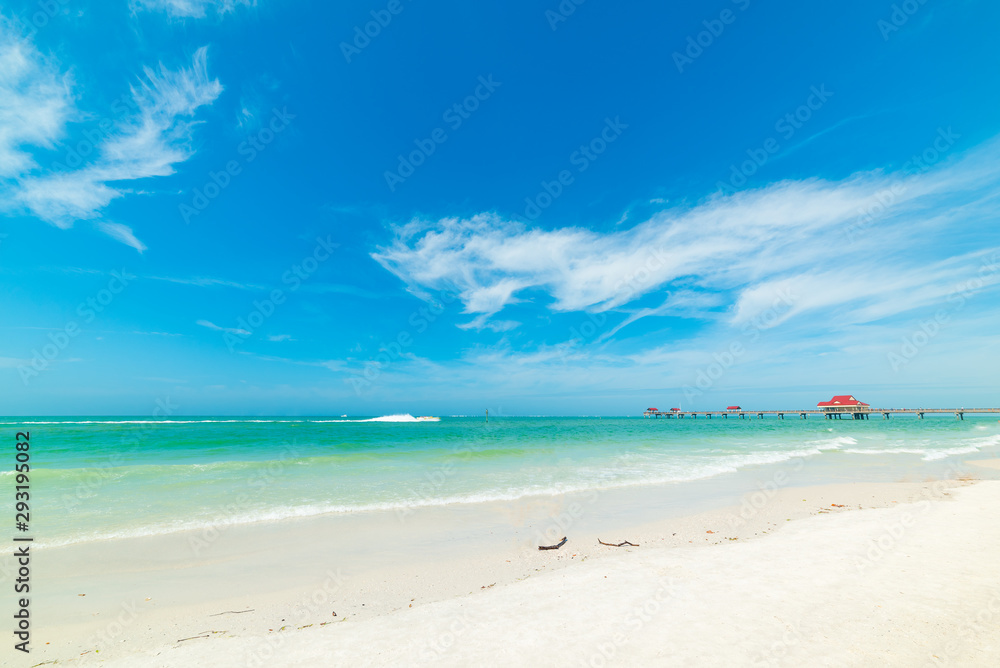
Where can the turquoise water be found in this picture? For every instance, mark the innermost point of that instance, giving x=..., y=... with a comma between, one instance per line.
x=101, y=478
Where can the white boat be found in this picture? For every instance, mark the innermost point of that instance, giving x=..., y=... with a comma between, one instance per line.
x=428, y=418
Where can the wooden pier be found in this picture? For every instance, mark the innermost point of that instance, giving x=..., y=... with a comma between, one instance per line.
x=828, y=414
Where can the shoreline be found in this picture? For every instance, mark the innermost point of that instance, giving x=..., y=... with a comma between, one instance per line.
x=150, y=593
x=985, y=463
x=679, y=495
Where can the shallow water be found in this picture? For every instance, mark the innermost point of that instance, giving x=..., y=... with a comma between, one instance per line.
x=95, y=479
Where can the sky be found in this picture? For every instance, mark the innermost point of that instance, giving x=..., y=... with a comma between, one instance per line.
x=537, y=208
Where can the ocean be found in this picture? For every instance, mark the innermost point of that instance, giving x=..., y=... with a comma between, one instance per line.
x=105, y=478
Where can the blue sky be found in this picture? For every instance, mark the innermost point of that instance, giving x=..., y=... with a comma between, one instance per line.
x=536, y=208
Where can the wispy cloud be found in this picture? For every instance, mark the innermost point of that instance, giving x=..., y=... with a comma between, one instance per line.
x=86, y=271
x=483, y=321
x=35, y=106
x=122, y=233
x=207, y=282
x=682, y=304
x=229, y=330
x=334, y=365
x=878, y=292
x=808, y=140
x=148, y=144
x=13, y=362
x=35, y=101
x=739, y=248
x=780, y=359
x=191, y=8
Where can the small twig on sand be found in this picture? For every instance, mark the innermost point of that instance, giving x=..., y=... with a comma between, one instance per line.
x=193, y=637
x=231, y=612
x=553, y=547
x=621, y=544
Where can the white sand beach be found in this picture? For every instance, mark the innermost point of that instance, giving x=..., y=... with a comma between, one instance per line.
x=860, y=574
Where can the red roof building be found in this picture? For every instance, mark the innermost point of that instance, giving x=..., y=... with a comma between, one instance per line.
x=844, y=403
x=733, y=408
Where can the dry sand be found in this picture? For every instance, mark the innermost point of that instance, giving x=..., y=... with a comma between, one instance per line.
x=893, y=574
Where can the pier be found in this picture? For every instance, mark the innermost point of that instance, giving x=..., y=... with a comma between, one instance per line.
x=802, y=414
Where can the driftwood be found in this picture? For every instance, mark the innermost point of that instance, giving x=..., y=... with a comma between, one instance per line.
x=621, y=544
x=193, y=637
x=553, y=547
x=231, y=612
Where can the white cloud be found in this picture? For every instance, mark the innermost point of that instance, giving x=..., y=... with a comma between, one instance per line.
x=230, y=330
x=35, y=101
x=13, y=362
x=781, y=360
x=876, y=293
x=61, y=199
x=744, y=247
x=191, y=8
x=148, y=144
x=204, y=282
x=502, y=325
x=482, y=321
x=682, y=304
x=122, y=233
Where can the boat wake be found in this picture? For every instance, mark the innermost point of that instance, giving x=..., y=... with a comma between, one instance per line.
x=405, y=417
